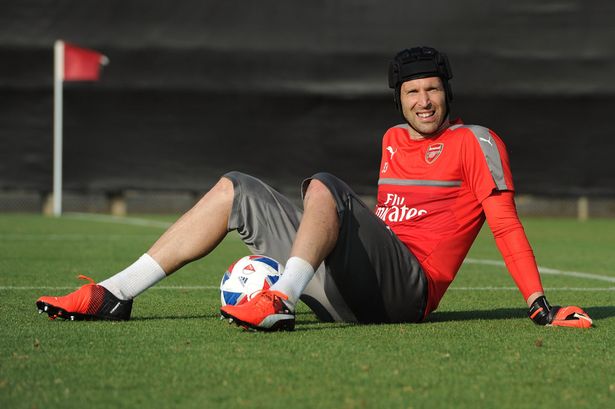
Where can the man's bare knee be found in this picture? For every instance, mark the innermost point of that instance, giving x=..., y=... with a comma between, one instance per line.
x=225, y=186
x=222, y=192
x=318, y=193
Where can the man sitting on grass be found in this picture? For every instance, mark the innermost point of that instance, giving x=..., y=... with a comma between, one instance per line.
x=439, y=180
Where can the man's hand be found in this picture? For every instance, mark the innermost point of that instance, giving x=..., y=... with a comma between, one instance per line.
x=543, y=314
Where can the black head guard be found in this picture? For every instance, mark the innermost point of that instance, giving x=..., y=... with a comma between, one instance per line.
x=419, y=62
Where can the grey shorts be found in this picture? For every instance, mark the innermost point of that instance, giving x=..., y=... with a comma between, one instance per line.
x=369, y=277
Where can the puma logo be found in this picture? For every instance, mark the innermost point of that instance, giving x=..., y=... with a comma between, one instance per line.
x=486, y=140
x=391, y=151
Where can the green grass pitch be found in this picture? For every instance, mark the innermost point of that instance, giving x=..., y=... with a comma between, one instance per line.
x=477, y=350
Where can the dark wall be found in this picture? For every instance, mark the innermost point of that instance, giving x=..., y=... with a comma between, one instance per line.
x=284, y=89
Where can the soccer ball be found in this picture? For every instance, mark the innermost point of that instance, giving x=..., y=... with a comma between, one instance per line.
x=247, y=277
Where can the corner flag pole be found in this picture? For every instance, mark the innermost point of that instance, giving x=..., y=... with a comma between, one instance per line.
x=70, y=63
x=58, y=77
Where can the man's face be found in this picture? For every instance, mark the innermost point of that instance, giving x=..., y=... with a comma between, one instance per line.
x=423, y=103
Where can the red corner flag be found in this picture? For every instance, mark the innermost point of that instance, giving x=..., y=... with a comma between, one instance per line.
x=80, y=64
x=71, y=63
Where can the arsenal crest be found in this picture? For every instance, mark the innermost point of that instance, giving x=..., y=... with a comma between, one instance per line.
x=433, y=151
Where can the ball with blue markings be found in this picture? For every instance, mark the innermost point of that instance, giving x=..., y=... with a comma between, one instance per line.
x=247, y=277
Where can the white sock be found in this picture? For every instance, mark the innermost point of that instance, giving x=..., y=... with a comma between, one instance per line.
x=297, y=274
x=136, y=278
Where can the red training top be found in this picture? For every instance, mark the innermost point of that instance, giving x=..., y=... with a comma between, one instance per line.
x=434, y=195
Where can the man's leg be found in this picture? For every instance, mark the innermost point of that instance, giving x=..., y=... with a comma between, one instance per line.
x=316, y=237
x=190, y=238
x=198, y=231
x=319, y=226
x=193, y=236
x=267, y=222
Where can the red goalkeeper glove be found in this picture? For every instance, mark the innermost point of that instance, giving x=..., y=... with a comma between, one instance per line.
x=543, y=314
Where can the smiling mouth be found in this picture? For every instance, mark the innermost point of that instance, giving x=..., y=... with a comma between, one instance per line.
x=425, y=114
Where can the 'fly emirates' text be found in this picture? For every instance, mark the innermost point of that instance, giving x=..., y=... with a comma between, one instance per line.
x=394, y=209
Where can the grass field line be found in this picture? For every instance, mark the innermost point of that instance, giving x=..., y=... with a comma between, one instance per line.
x=546, y=270
x=74, y=237
x=161, y=287
x=215, y=287
x=546, y=288
x=134, y=221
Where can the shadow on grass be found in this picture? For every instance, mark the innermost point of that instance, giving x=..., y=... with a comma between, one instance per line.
x=210, y=316
x=494, y=314
x=175, y=317
x=596, y=313
x=307, y=324
x=320, y=326
x=601, y=312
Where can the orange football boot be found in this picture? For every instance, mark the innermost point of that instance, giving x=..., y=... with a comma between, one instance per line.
x=90, y=302
x=267, y=311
